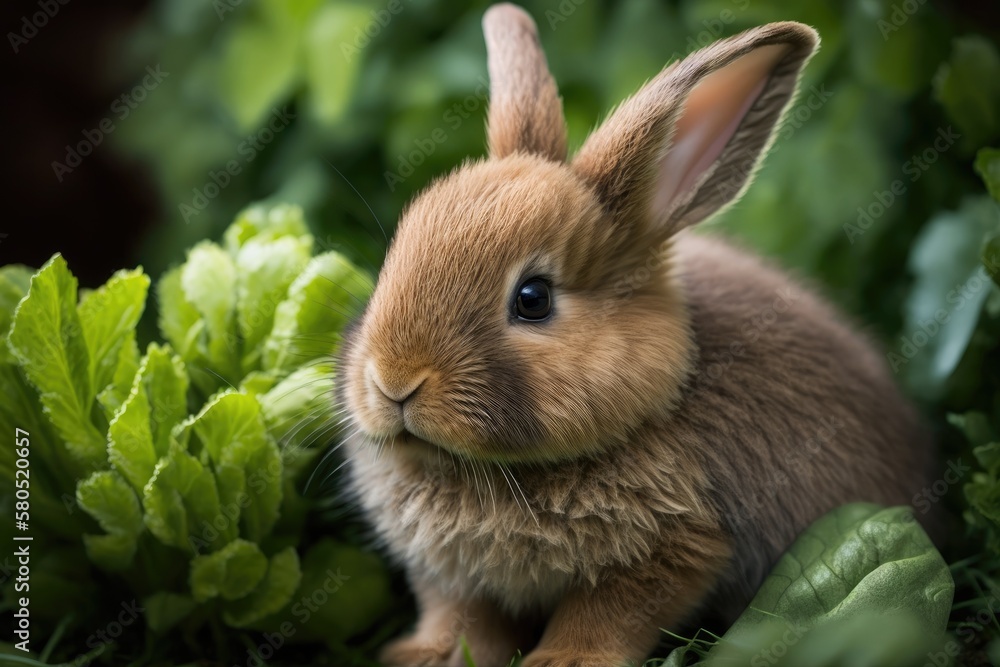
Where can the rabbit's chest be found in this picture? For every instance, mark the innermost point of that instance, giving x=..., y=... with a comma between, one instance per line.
x=492, y=533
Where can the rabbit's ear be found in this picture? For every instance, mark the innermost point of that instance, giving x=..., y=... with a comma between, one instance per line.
x=687, y=143
x=525, y=112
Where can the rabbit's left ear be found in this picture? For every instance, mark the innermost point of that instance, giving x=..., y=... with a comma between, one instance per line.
x=525, y=112
x=688, y=142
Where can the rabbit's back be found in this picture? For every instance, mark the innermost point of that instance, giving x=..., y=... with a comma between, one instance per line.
x=795, y=412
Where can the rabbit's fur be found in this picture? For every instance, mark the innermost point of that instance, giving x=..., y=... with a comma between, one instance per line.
x=568, y=487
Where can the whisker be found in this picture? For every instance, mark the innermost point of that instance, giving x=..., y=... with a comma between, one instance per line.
x=370, y=209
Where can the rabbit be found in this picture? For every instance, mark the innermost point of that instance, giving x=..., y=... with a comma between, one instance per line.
x=573, y=422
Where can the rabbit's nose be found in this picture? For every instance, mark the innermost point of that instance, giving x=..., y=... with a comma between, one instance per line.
x=397, y=389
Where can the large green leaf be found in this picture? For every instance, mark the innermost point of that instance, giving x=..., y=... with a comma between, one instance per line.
x=14, y=282
x=334, y=55
x=231, y=572
x=47, y=339
x=259, y=66
x=179, y=320
x=950, y=289
x=208, y=281
x=109, y=316
x=265, y=270
x=855, y=566
x=181, y=503
x=321, y=300
x=232, y=431
x=165, y=381
x=350, y=590
x=273, y=593
x=130, y=440
x=108, y=498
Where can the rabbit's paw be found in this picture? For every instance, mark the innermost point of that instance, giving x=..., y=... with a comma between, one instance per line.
x=570, y=658
x=415, y=651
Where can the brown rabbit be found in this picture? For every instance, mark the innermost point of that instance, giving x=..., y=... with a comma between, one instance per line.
x=575, y=424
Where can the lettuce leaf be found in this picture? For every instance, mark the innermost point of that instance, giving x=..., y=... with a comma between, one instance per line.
x=108, y=498
x=109, y=316
x=230, y=573
x=321, y=300
x=46, y=339
x=232, y=431
x=273, y=593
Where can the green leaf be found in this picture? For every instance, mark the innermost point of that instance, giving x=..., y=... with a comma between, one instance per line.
x=182, y=504
x=231, y=573
x=130, y=441
x=988, y=168
x=968, y=85
x=166, y=383
x=268, y=223
x=112, y=552
x=232, y=431
x=273, y=593
x=109, y=316
x=320, y=302
x=988, y=456
x=300, y=409
x=856, y=564
x=332, y=61
x=139, y=433
x=259, y=67
x=208, y=279
x=975, y=426
x=53, y=472
x=14, y=282
x=950, y=289
x=107, y=497
x=179, y=320
x=265, y=270
x=356, y=586
x=164, y=610
x=113, y=395
x=46, y=338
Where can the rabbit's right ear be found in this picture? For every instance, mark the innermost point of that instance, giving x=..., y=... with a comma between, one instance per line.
x=687, y=143
x=525, y=112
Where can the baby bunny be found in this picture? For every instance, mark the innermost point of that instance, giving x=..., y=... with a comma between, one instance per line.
x=575, y=423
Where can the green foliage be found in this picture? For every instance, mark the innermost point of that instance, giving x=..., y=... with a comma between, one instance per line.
x=180, y=475
x=858, y=567
x=881, y=189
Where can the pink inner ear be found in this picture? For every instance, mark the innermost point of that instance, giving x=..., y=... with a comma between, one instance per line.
x=712, y=113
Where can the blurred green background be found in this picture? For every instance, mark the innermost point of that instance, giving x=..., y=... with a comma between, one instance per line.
x=878, y=189
x=291, y=92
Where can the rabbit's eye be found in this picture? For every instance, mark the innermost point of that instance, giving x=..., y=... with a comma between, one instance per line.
x=533, y=302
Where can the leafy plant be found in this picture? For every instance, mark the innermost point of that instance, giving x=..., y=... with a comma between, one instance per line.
x=183, y=459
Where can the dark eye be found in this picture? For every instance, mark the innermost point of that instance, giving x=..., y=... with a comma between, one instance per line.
x=533, y=301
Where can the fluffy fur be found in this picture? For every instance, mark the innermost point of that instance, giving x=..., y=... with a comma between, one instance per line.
x=568, y=487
